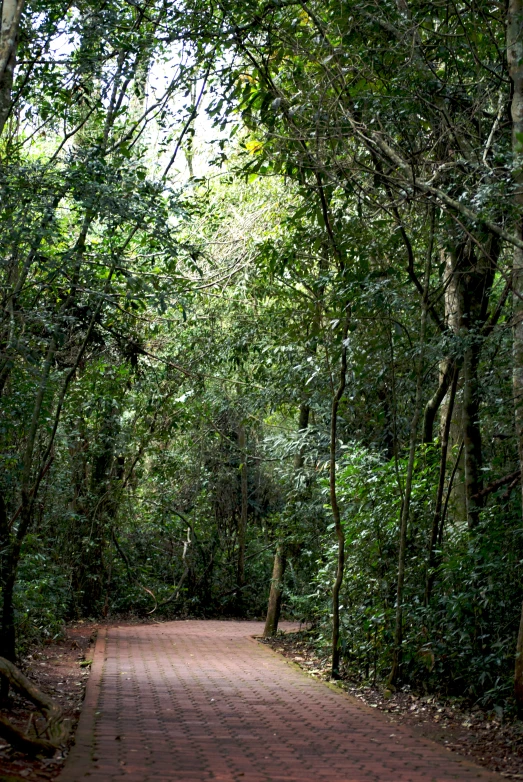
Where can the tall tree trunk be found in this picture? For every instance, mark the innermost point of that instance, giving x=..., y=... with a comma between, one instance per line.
x=280, y=556
x=472, y=433
x=8, y=633
x=518, y=671
x=275, y=595
x=515, y=64
x=477, y=283
x=4, y=547
x=453, y=319
x=10, y=23
x=468, y=282
x=340, y=534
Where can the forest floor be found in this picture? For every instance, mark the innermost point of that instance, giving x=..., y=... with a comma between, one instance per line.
x=61, y=669
x=484, y=737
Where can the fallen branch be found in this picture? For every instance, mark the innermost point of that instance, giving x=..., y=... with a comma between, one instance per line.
x=175, y=593
x=19, y=741
x=510, y=488
x=495, y=485
x=54, y=727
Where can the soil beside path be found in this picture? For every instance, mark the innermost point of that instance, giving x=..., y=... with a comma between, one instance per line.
x=202, y=700
x=59, y=668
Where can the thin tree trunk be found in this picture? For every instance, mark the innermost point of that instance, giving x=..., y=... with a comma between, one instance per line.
x=242, y=526
x=303, y=423
x=4, y=548
x=515, y=64
x=280, y=556
x=518, y=671
x=436, y=522
x=405, y=506
x=340, y=534
x=8, y=645
x=435, y=402
x=472, y=446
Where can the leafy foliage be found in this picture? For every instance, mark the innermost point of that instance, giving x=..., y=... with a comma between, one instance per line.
x=204, y=212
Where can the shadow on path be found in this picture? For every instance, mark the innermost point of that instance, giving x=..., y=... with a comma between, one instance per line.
x=191, y=701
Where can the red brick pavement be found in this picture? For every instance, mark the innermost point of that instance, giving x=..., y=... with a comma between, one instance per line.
x=192, y=701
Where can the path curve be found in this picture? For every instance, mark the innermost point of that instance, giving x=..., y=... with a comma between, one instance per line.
x=192, y=701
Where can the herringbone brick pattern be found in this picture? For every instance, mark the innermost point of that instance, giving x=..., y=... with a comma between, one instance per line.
x=201, y=700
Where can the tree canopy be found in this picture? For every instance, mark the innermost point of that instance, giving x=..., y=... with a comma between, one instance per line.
x=261, y=325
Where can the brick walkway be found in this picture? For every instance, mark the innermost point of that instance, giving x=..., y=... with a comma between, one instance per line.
x=201, y=700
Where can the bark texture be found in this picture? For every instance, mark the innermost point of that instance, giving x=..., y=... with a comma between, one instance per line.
x=340, y=534
x=518, y=672
x=11, y=15
x=515, y=64
x=453, y=314
x=275, y=595
x=468, y=281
